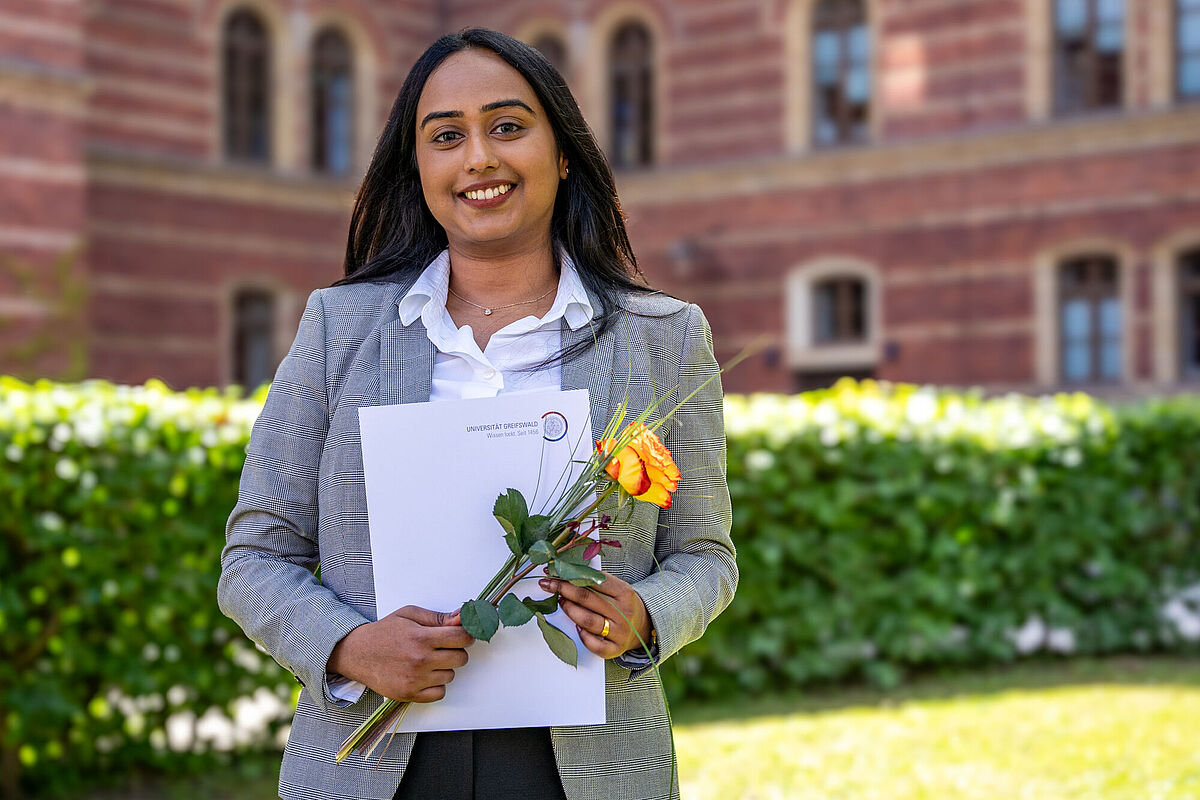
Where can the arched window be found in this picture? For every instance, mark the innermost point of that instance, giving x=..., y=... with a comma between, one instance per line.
x=246, y=92
x=839, y=311
x=254, y=359
x=1189, y=313
x=1090, y=325
x=1187, y=49
x=1089, y=44
x=631, y=82
x=332, y=103
x=553, y=49
x=841, y=56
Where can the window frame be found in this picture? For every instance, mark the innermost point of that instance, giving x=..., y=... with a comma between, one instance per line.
x=238, y=91
x=842, y=23
x=1095, y=292
x=241, y=329
x=1185, y=286
x=848, y=312
x=643, y=77
x=1063, y=105
x=319, y=152
x=1178, y=55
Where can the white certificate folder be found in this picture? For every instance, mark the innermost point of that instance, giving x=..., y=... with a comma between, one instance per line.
x=433, y=472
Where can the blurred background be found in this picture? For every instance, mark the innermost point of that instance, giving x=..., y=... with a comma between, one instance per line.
x=934, y=194
x=967, y=192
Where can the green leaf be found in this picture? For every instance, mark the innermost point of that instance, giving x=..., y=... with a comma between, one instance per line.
x=547, y=605
x=535, y=529
x=578, y=574
x=560, y=644
x=480, y=619
x=541, y=552
x=511, y=512
x=513, y=612
x=573, y=554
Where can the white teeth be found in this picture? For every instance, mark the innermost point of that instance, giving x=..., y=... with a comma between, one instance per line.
x=488, y=194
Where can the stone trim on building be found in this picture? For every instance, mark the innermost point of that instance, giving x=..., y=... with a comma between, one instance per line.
x=801, y=352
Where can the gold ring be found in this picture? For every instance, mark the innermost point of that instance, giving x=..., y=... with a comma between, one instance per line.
x=604, y=630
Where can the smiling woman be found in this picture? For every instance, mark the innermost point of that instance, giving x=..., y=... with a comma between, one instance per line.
x=487, y=254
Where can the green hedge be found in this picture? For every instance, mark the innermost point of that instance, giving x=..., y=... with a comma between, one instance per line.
x=878, y=530
x=881, y=530
x=111, y=528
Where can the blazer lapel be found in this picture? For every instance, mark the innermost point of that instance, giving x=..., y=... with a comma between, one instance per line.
x=405, y=358
x=587, y=370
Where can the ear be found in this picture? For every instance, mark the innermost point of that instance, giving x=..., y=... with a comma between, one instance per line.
x=562, y=167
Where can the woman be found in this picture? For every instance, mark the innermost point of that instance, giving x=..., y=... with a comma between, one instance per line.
x=487, y=253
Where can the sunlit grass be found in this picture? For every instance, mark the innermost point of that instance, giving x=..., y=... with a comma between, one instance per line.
x=1113, y=729
x=1129, y=730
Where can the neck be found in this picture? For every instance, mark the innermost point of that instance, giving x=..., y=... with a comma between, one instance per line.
x=499, y=278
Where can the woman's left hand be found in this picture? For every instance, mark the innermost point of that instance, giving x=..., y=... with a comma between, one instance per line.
x=591, y=608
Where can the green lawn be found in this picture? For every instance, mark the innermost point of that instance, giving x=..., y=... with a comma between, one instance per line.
x=1116, y=729
x=1125, y=729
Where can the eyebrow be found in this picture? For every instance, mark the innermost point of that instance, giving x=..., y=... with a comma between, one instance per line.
x=509, y=103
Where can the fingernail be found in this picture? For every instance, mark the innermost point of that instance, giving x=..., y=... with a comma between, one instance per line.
x=545, y=584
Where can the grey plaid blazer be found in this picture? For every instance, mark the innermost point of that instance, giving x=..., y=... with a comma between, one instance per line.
x=302, y=503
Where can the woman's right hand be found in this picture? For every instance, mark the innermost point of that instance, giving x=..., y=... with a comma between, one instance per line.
x=410, y=654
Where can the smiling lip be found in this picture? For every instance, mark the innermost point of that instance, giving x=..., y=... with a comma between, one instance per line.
x=500, y=191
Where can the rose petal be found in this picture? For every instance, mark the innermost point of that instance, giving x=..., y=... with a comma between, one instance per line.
x=657, y=495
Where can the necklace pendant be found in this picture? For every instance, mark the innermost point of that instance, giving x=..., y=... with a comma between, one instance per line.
x=487, y=312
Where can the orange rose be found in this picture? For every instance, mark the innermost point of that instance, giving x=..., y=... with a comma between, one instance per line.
x=644, y=467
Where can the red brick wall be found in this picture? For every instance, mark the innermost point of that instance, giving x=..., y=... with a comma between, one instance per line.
x=42, y=177
x=172, y=229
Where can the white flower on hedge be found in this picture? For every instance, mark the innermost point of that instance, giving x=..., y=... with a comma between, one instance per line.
x=1061, y=640
x=61, y=433
x=825, y=413
x=760, y=460
x=830, y=437
x=1184, y=617
x=943, y=463
x=51, y=521
x=14, y=452
x=89, y=429
x=66, y=469
x=88, y=481
x=922, y=407
x=1030, y=636
x=1071, y=457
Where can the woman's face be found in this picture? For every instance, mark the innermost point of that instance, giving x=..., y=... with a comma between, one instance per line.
x=486, y=153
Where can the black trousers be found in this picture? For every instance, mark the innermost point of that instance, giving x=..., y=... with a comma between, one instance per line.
x=509, y=764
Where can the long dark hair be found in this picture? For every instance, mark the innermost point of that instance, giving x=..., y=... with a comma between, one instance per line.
x=393, y=234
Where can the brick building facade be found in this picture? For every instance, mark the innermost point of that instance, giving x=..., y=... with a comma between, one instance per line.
x=994, y=192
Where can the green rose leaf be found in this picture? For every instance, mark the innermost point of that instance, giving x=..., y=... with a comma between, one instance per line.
x=535, y=529
x=573, y=554
x=480, y=619
x=513, y=612
x=560, y=644
x=578, y=574
x=511, y=512
x=547, y=605
x=541, y=552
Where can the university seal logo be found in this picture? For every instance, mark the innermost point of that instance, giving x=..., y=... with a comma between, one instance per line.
x=554, y=426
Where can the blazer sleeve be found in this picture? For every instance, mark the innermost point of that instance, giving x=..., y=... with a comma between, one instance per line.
x=697, y=573
x=267, y=583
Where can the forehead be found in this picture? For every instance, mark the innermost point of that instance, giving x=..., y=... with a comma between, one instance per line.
x=469, y=79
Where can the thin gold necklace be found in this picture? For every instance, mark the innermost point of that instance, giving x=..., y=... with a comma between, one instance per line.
x=487, y=310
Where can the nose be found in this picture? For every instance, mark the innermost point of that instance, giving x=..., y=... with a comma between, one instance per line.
x=480, y=155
